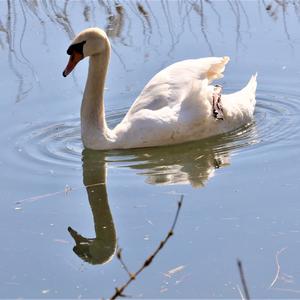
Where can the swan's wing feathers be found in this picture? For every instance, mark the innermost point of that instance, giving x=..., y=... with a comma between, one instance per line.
x=174, y=84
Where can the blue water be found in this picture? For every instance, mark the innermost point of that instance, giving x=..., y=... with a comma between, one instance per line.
x=240, y=189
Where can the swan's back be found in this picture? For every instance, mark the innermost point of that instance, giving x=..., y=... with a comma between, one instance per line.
x=176, y=106
x=174, y=84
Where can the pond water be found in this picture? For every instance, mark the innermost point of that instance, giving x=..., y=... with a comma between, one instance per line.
x=64, y=209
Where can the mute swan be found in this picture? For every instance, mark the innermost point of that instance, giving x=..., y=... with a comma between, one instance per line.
x=177, y=104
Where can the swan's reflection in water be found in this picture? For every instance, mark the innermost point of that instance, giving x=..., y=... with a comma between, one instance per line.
x=191, y=163
x=100, y=249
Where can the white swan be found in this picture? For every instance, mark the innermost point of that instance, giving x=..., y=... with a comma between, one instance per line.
x=174, y=107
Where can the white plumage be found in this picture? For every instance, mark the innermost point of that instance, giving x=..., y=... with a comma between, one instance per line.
x=174, y=107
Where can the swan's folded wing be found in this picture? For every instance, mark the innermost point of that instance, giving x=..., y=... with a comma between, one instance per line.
x=172, y=85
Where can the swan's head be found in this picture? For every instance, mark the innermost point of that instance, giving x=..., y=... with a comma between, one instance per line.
x=91, y=41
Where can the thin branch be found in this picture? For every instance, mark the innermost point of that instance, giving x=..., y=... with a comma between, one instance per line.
x=243, y=280
x=240, y=292
x=66, y=190
x=119, y=291
x=119, y=256
x=277, y=267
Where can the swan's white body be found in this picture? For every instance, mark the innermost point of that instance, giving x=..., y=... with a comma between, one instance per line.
x=174, y=107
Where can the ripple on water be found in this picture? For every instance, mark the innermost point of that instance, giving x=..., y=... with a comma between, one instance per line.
x=59, y=143
x=56, y=143
x=277, y=117
x=276, y=124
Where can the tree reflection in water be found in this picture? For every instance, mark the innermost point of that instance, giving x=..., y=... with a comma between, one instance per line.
x=123, y=18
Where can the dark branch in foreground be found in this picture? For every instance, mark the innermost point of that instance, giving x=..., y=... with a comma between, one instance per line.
x=243, y=280
x=132, y=276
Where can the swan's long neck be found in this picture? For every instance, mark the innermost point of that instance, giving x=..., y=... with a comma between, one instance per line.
x=94, y=129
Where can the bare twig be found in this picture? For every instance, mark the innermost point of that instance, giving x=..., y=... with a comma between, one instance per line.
x=119, y=292
x=277, y=267
x=243, y=280
x=66, y=190
x=119, y=256
x=240, y=292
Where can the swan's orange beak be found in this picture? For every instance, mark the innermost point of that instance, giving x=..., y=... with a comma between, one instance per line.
x=75, y=57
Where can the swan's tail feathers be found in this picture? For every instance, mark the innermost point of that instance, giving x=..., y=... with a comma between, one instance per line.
x=217, y=68
x=250, y=88
x=250, y=92
x=252, y=84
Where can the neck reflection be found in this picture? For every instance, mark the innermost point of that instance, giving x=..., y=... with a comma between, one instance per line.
x=100, y=249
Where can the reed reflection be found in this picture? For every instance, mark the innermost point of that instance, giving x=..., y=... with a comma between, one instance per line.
x=148, y=25
x=126, y=22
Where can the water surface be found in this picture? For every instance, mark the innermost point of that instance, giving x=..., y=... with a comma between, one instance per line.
x=63, y=208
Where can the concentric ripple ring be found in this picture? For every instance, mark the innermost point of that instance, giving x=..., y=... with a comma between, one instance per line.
x=59, y=143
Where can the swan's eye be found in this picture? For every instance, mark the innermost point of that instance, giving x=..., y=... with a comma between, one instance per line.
x=77, y=48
